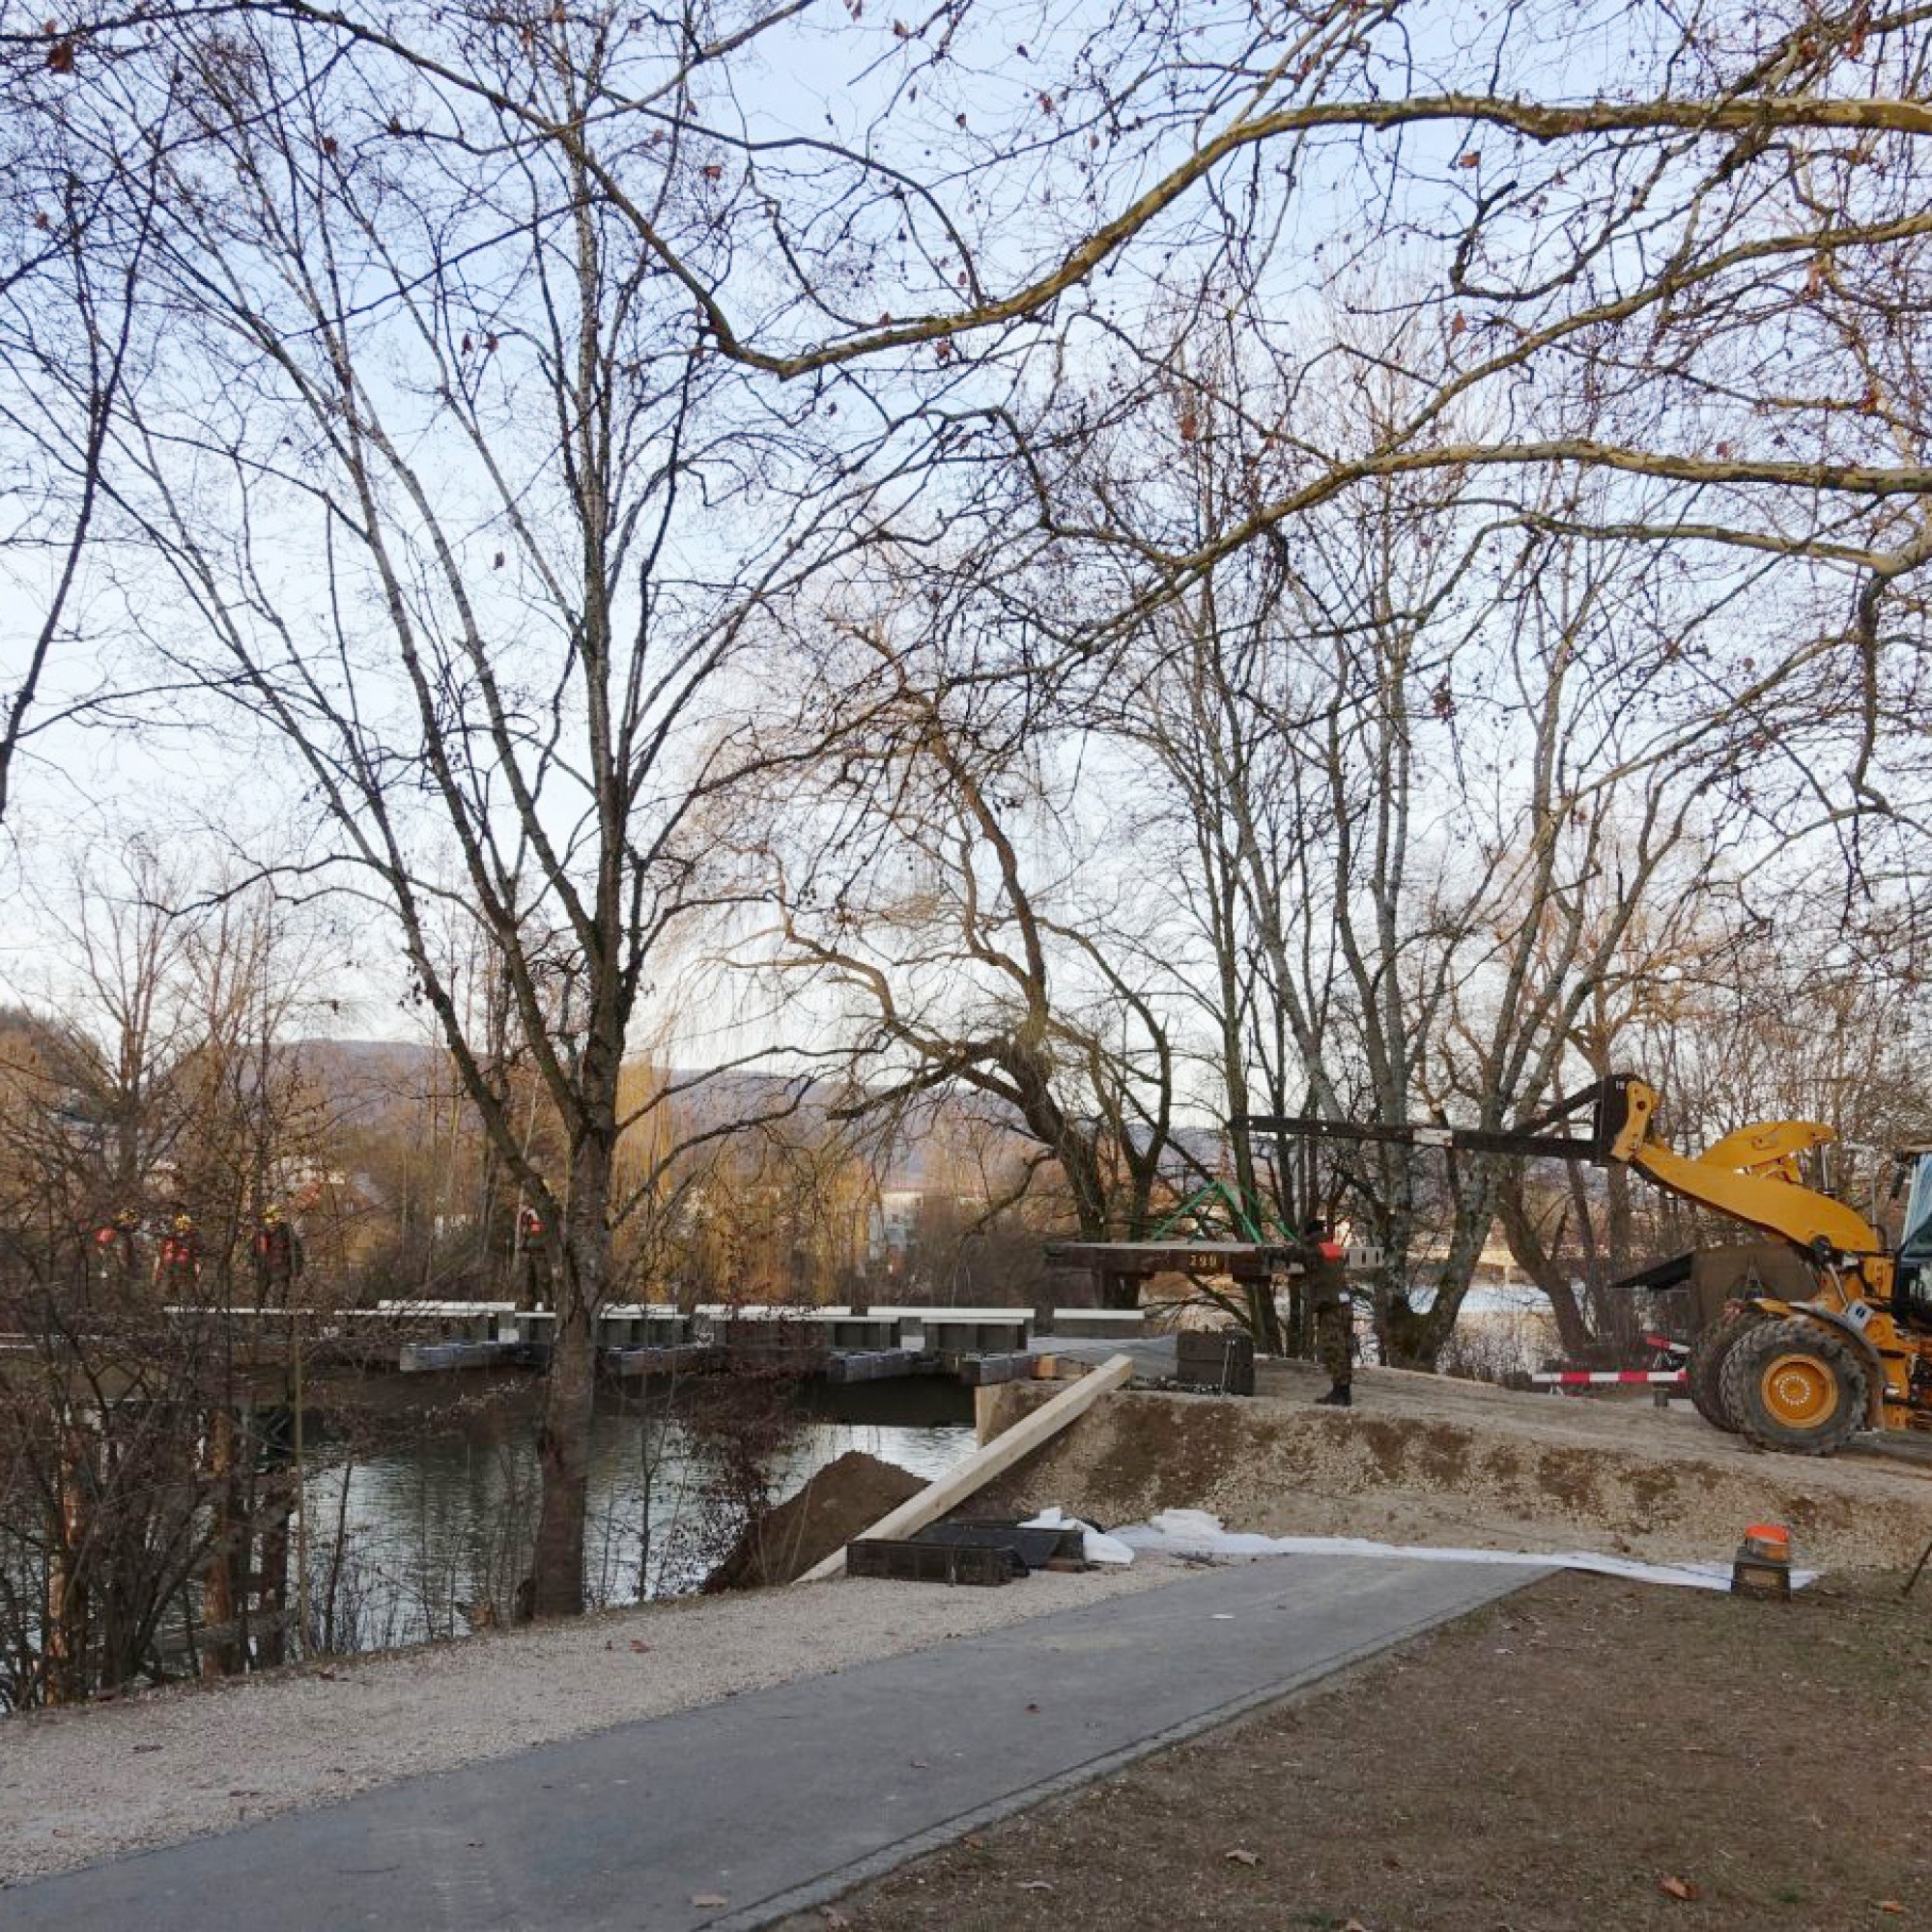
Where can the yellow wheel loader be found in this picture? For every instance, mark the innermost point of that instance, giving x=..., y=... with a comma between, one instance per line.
x=1834, y=1339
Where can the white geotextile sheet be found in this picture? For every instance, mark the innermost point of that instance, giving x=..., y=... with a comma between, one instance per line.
x=1197, y=1533
x=1096, y=1546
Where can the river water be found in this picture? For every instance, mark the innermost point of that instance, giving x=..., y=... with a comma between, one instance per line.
x=428, y=1538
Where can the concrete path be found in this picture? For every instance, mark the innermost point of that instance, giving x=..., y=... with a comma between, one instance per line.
x=787, y=1797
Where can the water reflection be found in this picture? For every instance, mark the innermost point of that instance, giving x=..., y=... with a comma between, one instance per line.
x=431, y=1540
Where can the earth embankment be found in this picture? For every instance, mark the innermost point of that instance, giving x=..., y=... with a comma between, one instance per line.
x=1423, y=1461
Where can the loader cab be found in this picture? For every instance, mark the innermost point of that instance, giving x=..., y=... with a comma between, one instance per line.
x=1911, y=1283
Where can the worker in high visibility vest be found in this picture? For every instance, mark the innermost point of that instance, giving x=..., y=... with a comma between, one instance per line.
x=178, y=1260
x=1323, y=1260
x=116, y=1246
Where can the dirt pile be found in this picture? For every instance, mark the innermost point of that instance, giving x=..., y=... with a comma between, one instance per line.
x=845, y=1500
x=1494, y=1472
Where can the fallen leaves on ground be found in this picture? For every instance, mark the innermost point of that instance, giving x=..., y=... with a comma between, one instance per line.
x=1677, y=1888
x=1241, y=1856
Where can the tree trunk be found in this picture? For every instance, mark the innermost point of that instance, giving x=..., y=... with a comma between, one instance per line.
x=1616, y=1309
x=65, y=1647
x=1420, y=1336
x=1264, y=1318
x=217, y=1599
x=1537, y=1260
x=563, y=1459
x=563, y=1442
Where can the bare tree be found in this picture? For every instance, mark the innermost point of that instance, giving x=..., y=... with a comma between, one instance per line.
x=146, y=1487
x=1427, y=761
x=932, y=882
x=438, y=371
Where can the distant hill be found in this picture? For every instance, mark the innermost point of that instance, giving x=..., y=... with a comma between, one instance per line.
x=371, y=1082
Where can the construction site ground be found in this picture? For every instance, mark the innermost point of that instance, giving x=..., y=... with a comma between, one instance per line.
x=1422, y=1459
x=1585, y=1752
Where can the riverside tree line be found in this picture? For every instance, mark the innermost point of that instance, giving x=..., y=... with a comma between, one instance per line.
x=1118, y=565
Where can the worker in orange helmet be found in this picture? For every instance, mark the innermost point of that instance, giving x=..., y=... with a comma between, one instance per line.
x=1323, y=1260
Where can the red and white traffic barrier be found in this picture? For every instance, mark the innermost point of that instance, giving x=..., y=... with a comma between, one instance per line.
x=1580, y=1379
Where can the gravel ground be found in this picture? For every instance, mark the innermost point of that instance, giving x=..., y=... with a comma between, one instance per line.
x=78, y=1786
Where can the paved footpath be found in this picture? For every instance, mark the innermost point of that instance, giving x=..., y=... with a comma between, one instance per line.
x=782, y=1798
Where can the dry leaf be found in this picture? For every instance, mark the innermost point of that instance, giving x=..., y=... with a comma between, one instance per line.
x=835, y=1919
x=1889, y=1905
x=1035, y=1885
x=973, y=1844
x=709, y=1898
x=1241, y=1857
x=1677, y=1888
x=1354, y=1925
x=640, y=1645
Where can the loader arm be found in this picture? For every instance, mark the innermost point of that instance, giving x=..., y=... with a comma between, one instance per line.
x=1751, y=1175
x=1801, y=1214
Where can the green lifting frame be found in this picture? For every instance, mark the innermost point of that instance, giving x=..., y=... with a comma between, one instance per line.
x=1242, y=1219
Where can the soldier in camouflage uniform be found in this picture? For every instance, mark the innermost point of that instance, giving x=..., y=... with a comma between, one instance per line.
x=1322, y=1262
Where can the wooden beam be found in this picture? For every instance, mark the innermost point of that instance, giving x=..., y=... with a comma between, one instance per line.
x=984, y=1465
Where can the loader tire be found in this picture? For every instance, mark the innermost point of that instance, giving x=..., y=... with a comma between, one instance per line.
x=1704, y=1374
x=1795, y=1385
